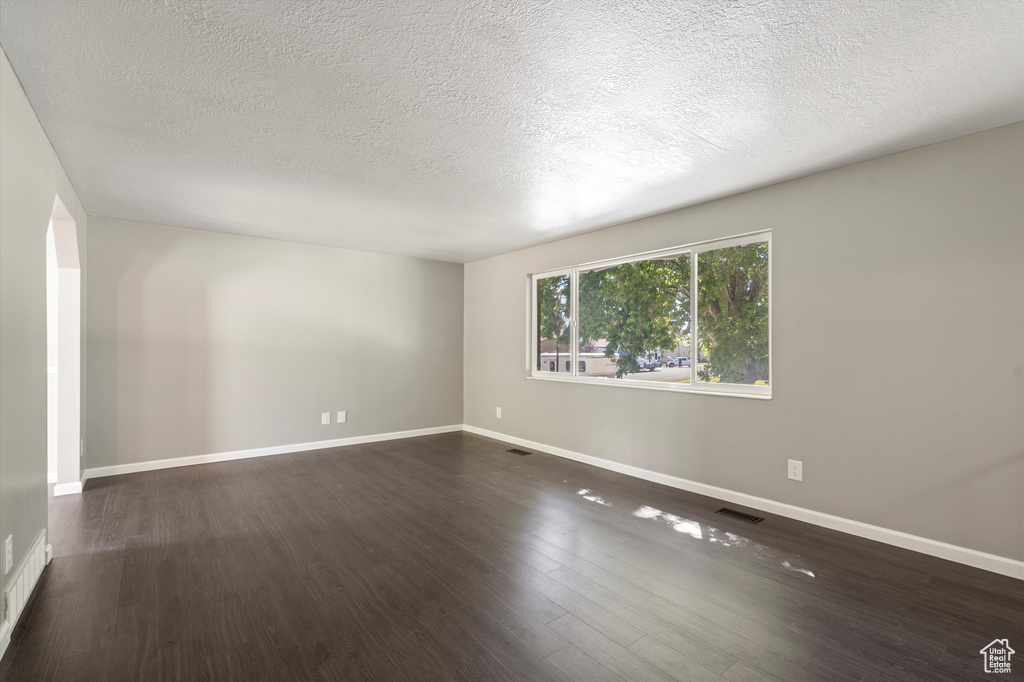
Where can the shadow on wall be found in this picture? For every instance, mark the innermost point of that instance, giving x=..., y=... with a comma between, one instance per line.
x=203, y=344
x=161, y=348
x=993, y=475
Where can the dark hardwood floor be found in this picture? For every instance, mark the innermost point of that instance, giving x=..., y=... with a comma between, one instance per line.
x=446, y=557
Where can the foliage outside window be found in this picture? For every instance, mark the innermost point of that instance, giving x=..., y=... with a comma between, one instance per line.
x=732, y=314
x=552, y=322
x=636, y=308
x=691, y=318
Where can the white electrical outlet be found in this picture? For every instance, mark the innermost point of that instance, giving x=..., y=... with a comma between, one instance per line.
x=342, y=416
x=796, y=470
x=499, y=413
x=8, y=554
x=325, y=418
x=81, y=448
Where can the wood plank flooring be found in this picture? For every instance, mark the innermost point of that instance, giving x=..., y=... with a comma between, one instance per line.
x=445, y=557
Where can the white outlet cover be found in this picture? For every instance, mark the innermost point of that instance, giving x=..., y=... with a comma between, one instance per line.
x=342, y=416
x=499, y=413
x=325, y=418
x=796, y=470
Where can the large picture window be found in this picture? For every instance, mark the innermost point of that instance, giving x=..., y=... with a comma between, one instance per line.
x=691, y=318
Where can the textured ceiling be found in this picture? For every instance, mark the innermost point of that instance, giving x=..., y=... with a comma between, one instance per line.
x=458, y=130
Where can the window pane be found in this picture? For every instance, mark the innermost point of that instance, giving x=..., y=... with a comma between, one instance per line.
x=635, y=320
x=552, y=322
x=732, y=314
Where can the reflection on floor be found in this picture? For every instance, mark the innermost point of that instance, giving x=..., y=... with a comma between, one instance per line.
x=445, y=557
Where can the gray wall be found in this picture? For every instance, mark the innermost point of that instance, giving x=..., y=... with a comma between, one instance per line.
x=30, y=177
x=898, y=340
x=203, y=342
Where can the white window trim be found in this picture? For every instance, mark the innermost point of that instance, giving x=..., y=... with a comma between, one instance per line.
x=694, y=250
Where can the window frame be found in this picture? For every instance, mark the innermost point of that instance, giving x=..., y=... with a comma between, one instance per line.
x=693, y=250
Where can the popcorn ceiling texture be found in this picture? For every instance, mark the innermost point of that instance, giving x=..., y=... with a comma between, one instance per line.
x=459, y=130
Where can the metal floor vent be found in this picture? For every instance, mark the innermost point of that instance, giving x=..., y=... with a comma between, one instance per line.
x=749, y=518
x=517, y=451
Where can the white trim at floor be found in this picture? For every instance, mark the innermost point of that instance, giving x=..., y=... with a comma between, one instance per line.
x=152, y=465
x=962, y=555
x=19, y=587
x=943, y=550
x=70, y=488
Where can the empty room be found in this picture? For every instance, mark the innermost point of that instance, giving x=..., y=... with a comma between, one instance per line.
x=511, y=340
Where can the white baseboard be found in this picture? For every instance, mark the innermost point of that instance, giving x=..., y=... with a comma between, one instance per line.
x=155, y=464
x=67, y=488
x=19, y=588
x=962, y=555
